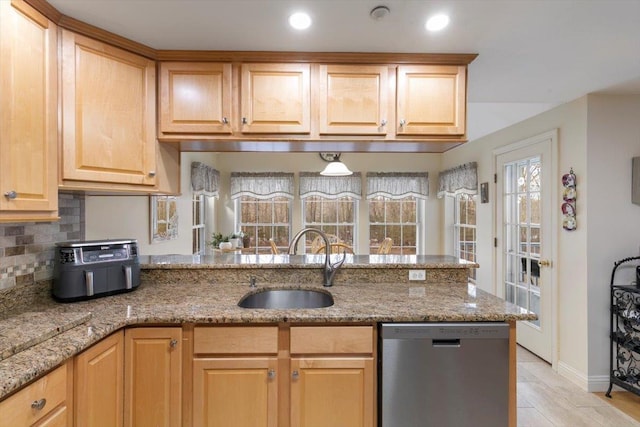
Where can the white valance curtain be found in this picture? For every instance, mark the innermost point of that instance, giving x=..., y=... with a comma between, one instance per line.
x=261, y=185
x=397, y=185
x=205, y=180
x=330, y=187
x=461, y=179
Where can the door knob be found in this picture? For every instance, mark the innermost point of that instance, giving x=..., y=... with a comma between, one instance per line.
x=11, y=194
x=544, y=263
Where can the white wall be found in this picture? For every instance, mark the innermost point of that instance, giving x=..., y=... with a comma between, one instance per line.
x=109, y=217
x=311, y=162
x=128, y=216
x=614, y=222
x=598, y=136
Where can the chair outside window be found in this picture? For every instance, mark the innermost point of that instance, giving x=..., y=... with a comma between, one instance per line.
x=385, y=246
x=336, y=248
x=274, y=248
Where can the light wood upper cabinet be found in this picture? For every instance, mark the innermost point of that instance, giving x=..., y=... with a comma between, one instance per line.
x=45, y=402
x=431, y=100
x=99, y=383
x=195, y=97
x=108, y=113
x=275, y=98
x=28, y=114
x=353, y=99
x=153, y=377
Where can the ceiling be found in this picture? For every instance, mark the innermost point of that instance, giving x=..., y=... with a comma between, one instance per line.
x=533, y=54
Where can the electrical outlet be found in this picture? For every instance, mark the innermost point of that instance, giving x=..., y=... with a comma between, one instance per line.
x=417, y=274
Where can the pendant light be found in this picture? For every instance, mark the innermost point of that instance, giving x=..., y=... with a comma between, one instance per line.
x=335, y=166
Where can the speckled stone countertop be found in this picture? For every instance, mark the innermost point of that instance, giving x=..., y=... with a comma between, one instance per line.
x=206, y=301
x=240, y=261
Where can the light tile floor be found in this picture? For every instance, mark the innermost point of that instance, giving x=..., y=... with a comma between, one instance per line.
x=545, y=399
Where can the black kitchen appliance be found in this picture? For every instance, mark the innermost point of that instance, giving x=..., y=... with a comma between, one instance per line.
x=97, y=268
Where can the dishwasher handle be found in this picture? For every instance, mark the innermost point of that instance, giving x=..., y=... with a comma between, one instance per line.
x=446, y=343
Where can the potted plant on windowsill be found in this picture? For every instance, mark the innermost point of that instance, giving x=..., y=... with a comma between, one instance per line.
x=220, y=241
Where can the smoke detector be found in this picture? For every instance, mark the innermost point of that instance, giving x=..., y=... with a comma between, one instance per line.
x=379, y=12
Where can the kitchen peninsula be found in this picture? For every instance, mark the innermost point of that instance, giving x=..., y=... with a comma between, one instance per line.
x=197, y=297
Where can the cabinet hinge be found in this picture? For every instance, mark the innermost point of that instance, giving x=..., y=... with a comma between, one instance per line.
x=495, y=242
x=495, y=178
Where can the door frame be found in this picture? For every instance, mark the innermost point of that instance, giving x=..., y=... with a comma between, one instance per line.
x=551, y=135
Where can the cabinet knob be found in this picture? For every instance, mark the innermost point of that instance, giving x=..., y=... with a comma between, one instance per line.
x=173, y=343
x=383, y=123
x=244, y=120
x=11, y=194
x=38, y=404
x=271, y=374
x=295, y=375
x=225, y=121
x=152, y=173
x=402, y=122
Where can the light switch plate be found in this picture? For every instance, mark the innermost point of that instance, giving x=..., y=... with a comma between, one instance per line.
x=417, y=274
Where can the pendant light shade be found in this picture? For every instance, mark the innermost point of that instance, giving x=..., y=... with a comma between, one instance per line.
x=335, y=166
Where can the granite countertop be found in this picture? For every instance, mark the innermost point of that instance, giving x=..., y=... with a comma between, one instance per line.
x=242, y=261
x=81, y=324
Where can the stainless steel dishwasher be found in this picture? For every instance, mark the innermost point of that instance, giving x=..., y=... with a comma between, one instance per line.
x=444, y=374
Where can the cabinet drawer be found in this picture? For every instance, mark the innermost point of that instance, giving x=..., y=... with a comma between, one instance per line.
x=331, y=339
x=17, y=410
x=236, y=339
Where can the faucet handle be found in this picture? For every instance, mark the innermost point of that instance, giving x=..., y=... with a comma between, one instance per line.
x=338, y=264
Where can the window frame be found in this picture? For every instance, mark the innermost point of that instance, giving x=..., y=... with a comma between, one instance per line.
x=419, y=223
x=239, y=225
x=321, y=225
x=458, y=226
x=201, y=241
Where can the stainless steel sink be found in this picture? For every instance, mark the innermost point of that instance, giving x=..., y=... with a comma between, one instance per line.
x=287, y=298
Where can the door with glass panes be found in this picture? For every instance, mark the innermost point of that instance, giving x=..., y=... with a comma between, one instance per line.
x=525, y=240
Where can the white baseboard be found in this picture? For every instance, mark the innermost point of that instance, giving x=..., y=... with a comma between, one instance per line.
x=593, y=383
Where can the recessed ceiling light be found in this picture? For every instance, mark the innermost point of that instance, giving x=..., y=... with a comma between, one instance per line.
x=300, y=21
x=437, y=22
x=378, y=13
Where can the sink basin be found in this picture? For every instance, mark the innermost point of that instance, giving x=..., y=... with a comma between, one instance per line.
x=287, y=298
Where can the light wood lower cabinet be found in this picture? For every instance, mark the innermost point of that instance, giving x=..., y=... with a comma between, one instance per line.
x=332, y=392
x=153, y=377
x=239, y=392
x=45, y=402
x=99, y=383
x=287, y=376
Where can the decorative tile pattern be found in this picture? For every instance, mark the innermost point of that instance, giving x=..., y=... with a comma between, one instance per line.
x=27, y=250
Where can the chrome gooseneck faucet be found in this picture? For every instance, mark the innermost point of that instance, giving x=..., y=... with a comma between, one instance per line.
x=329, y=269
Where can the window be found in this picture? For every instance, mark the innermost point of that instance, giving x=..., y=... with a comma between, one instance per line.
x=330, y=203
x=264, y=219
x=333, y=216
x=397, y=219
x=396, y=210
x=198, y=224
x=465, y=229
x=263, y=208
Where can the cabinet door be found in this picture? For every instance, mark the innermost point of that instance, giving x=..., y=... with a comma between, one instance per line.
x=49, y=392
x=28, y=111
x=275, y=98
x=238, y=392
x=153, y=377
x=431, y=100
x=108, y=113
x=353, y=99
x=195, y=97
x=332, y=392
x=99, y=383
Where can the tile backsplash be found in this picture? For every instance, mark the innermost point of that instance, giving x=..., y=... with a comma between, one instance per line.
x=27, y=249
